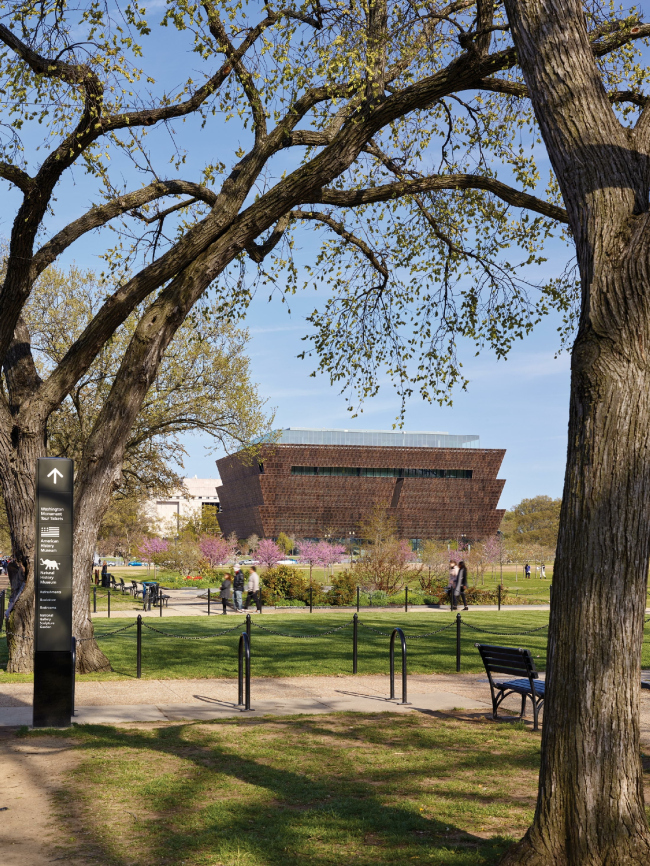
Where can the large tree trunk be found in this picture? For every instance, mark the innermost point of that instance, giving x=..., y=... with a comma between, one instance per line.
x=590, y=809
x=20, y=452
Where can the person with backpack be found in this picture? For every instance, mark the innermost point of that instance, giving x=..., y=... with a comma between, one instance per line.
x=238, y=589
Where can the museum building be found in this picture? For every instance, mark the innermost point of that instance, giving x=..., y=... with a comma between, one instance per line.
x=323, y=483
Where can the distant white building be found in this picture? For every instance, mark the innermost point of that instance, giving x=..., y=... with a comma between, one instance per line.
x=197, y=496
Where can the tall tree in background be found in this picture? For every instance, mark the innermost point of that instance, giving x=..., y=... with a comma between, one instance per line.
x=533, y=521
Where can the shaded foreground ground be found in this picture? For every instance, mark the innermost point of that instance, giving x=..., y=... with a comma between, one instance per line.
x=367, y=789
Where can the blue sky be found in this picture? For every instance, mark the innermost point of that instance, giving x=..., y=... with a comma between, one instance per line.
x=520, y=404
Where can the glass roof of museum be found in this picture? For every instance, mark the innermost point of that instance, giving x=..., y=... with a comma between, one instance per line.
x=386, y=438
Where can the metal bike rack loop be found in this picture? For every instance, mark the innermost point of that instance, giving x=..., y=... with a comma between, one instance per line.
x=397, y=631
x=244, y=654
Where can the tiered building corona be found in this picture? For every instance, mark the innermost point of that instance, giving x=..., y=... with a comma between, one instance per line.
x=322, y=483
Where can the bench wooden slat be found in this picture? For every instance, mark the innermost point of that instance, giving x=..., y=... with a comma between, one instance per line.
x=507, y=669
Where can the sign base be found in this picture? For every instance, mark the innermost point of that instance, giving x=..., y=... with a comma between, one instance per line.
x=53, y=689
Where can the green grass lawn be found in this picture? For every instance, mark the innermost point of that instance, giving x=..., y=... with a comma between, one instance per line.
x=170, y=657
x=272, y=655
x=323, y=790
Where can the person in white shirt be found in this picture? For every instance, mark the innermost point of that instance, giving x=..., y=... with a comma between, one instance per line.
x=253, y=590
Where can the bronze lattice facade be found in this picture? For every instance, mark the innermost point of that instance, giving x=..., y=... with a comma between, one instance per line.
x=313, y=490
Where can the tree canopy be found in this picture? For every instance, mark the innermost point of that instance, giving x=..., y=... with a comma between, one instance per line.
x=533, y=521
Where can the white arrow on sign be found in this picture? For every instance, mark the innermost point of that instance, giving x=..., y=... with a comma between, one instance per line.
x=54, y=473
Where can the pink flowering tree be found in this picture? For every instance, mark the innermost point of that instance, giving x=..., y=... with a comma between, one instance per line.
x=329, y=554
x=216, y=551
x=268, y=552
x=150, y=548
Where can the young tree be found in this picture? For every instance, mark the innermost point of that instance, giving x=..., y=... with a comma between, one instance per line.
x=285, y=543
x=216, y=551
x=269, y=553
x=151, y=549
x=329, y=554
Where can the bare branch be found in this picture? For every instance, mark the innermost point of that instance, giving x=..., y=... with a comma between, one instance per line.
x=629, y=96
x=16, y=176
x=99, y=216
x=258, y=252
x=245, y=78
x=347, y=236
x=515, y=197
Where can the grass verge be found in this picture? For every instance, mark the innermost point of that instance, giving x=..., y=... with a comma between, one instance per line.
x=324, y=790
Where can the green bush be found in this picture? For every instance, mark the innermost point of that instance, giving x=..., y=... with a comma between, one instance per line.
x=283, y=582
x=344, y=589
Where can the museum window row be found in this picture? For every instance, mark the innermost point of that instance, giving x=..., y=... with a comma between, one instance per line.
x=359, y=472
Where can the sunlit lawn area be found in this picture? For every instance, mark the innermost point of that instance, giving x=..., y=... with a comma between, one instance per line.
x=273, y=655
x=343, y=788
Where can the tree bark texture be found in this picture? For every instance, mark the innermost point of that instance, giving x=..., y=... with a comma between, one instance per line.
x=590, y=809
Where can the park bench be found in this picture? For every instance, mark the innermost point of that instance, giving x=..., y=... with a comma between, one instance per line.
x=124, y=587
x=515, y=662
x=134, y=589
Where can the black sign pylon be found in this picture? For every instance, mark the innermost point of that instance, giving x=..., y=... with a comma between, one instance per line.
x=53, y=655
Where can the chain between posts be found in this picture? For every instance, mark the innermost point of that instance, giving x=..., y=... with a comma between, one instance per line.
x=193, y=637
x=303, y=636
x=106, y=634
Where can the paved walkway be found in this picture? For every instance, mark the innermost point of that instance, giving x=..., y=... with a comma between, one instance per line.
x=192, y=602
x=115, y=702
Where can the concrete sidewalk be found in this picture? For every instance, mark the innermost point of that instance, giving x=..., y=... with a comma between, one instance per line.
x=191, y=602
x=116, y=702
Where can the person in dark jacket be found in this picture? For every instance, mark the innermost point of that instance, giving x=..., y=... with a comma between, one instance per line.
x=225, y=591
x=238, y=589
x=461, y=583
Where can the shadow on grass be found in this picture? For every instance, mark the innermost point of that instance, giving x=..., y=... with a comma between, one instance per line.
x=305, y=811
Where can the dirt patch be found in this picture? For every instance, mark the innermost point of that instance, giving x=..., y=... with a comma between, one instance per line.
x=33, y=773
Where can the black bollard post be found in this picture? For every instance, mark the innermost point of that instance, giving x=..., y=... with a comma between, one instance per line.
x=2, y=609
x=160, y=602
x=208, y=601
x=406, y=600
x=458, y=622
x=248, y=628
x=357, y=599
x=94, y=599
x=499, y=597
x=109, y=604
x=311, y=606
x=355, y=626
x=139, y=647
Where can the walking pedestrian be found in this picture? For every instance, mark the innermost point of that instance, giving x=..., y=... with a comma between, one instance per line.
x=461, y=584
x=238, y=588
x=225, y=591
x=253, y=590
x=542, y=571
x=451, y=586
x=527, y=570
